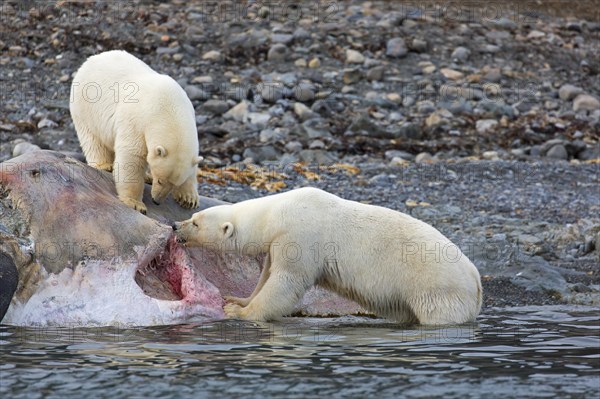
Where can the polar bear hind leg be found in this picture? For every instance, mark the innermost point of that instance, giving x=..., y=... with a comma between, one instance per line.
x=128, y=173
x=441, y=308
x=96, y=154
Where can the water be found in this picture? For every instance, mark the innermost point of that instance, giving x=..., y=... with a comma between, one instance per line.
x=540, y=352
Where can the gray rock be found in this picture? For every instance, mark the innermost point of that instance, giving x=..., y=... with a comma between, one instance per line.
x=395, y=116
x=228, y=128
x=497, y=36
x=327, y=107
x=575, y=147
x=272, y=92
x=574, y=26
x=518, y=152
x=438, y=118
x=396, y=47
x=407, y=130
x=461, y=54
x=317, y=157
x=24, y=147
x=217, y=107
x=585, y=102
x=293, y=147
x=354, y=57
x=268, y=135
x=460, y=106
x=535, y=151
x=490, y=155
x=419, y=45
x=423, y=157
x=304, y=113
x=391, y=19
x=283, y=38
x=212, y=55
x=236, y=92
x=590, y=153
x=496, y=108
x=261, y=154
x=492, y=76
x=568, y=92
x=383, y=179
x=239, y=112
x=248, y=40
x=491, y=48
x=288, y=79
x=363, y=125
x=505, y=23
x=391, y=154
x=167, y=50
x=485, y=125
x=287, y=159
x=238, y=194
x=549, y=144
x=316, y=145
x=277, y=53
x=304, y=92
x=314, y=128
x=45, y=122
x=536, y=34
x=408, y=101
x=259, y=119
x=351, y=75
x=558, y=151
x=425, y=107
x=196, y=93
x=375, y=73
x=301, y=34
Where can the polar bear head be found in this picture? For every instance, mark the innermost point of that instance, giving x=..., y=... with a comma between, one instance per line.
x=170, y=169
x=211, y=228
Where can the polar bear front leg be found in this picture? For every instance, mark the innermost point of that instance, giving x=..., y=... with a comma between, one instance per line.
x=277, y=298
x=128, y=172
x=264, y=275
x=186, y=195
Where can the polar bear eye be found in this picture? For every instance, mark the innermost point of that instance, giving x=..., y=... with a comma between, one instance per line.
x=194, y=223
x=159, y=182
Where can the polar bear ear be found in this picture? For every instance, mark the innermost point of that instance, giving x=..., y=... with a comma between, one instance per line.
x=160, y=151
x=227, y=229
x=197, y=160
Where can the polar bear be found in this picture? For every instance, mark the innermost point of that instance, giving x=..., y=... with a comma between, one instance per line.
x=129, y=117
x=390, y=263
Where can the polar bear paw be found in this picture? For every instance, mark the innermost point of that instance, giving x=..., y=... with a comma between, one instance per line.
x=108, y=167
x=233, y=311
x=238, y=301
x=187, y=199
x=135, y=204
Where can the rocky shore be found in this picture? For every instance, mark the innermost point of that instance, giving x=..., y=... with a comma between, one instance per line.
x=484, y=124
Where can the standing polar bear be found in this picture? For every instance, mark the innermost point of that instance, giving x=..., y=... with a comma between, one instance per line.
x=389, y=262
x=128, y=117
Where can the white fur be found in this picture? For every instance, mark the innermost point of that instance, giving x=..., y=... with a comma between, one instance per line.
x=387, y=261
x=128, y=117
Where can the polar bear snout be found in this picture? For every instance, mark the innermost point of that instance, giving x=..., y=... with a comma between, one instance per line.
x=182, y=231
x=160, y=190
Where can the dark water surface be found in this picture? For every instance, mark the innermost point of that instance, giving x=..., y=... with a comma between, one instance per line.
x=541, y=352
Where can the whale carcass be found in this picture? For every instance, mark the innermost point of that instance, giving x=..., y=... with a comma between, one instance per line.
x=85, y=259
